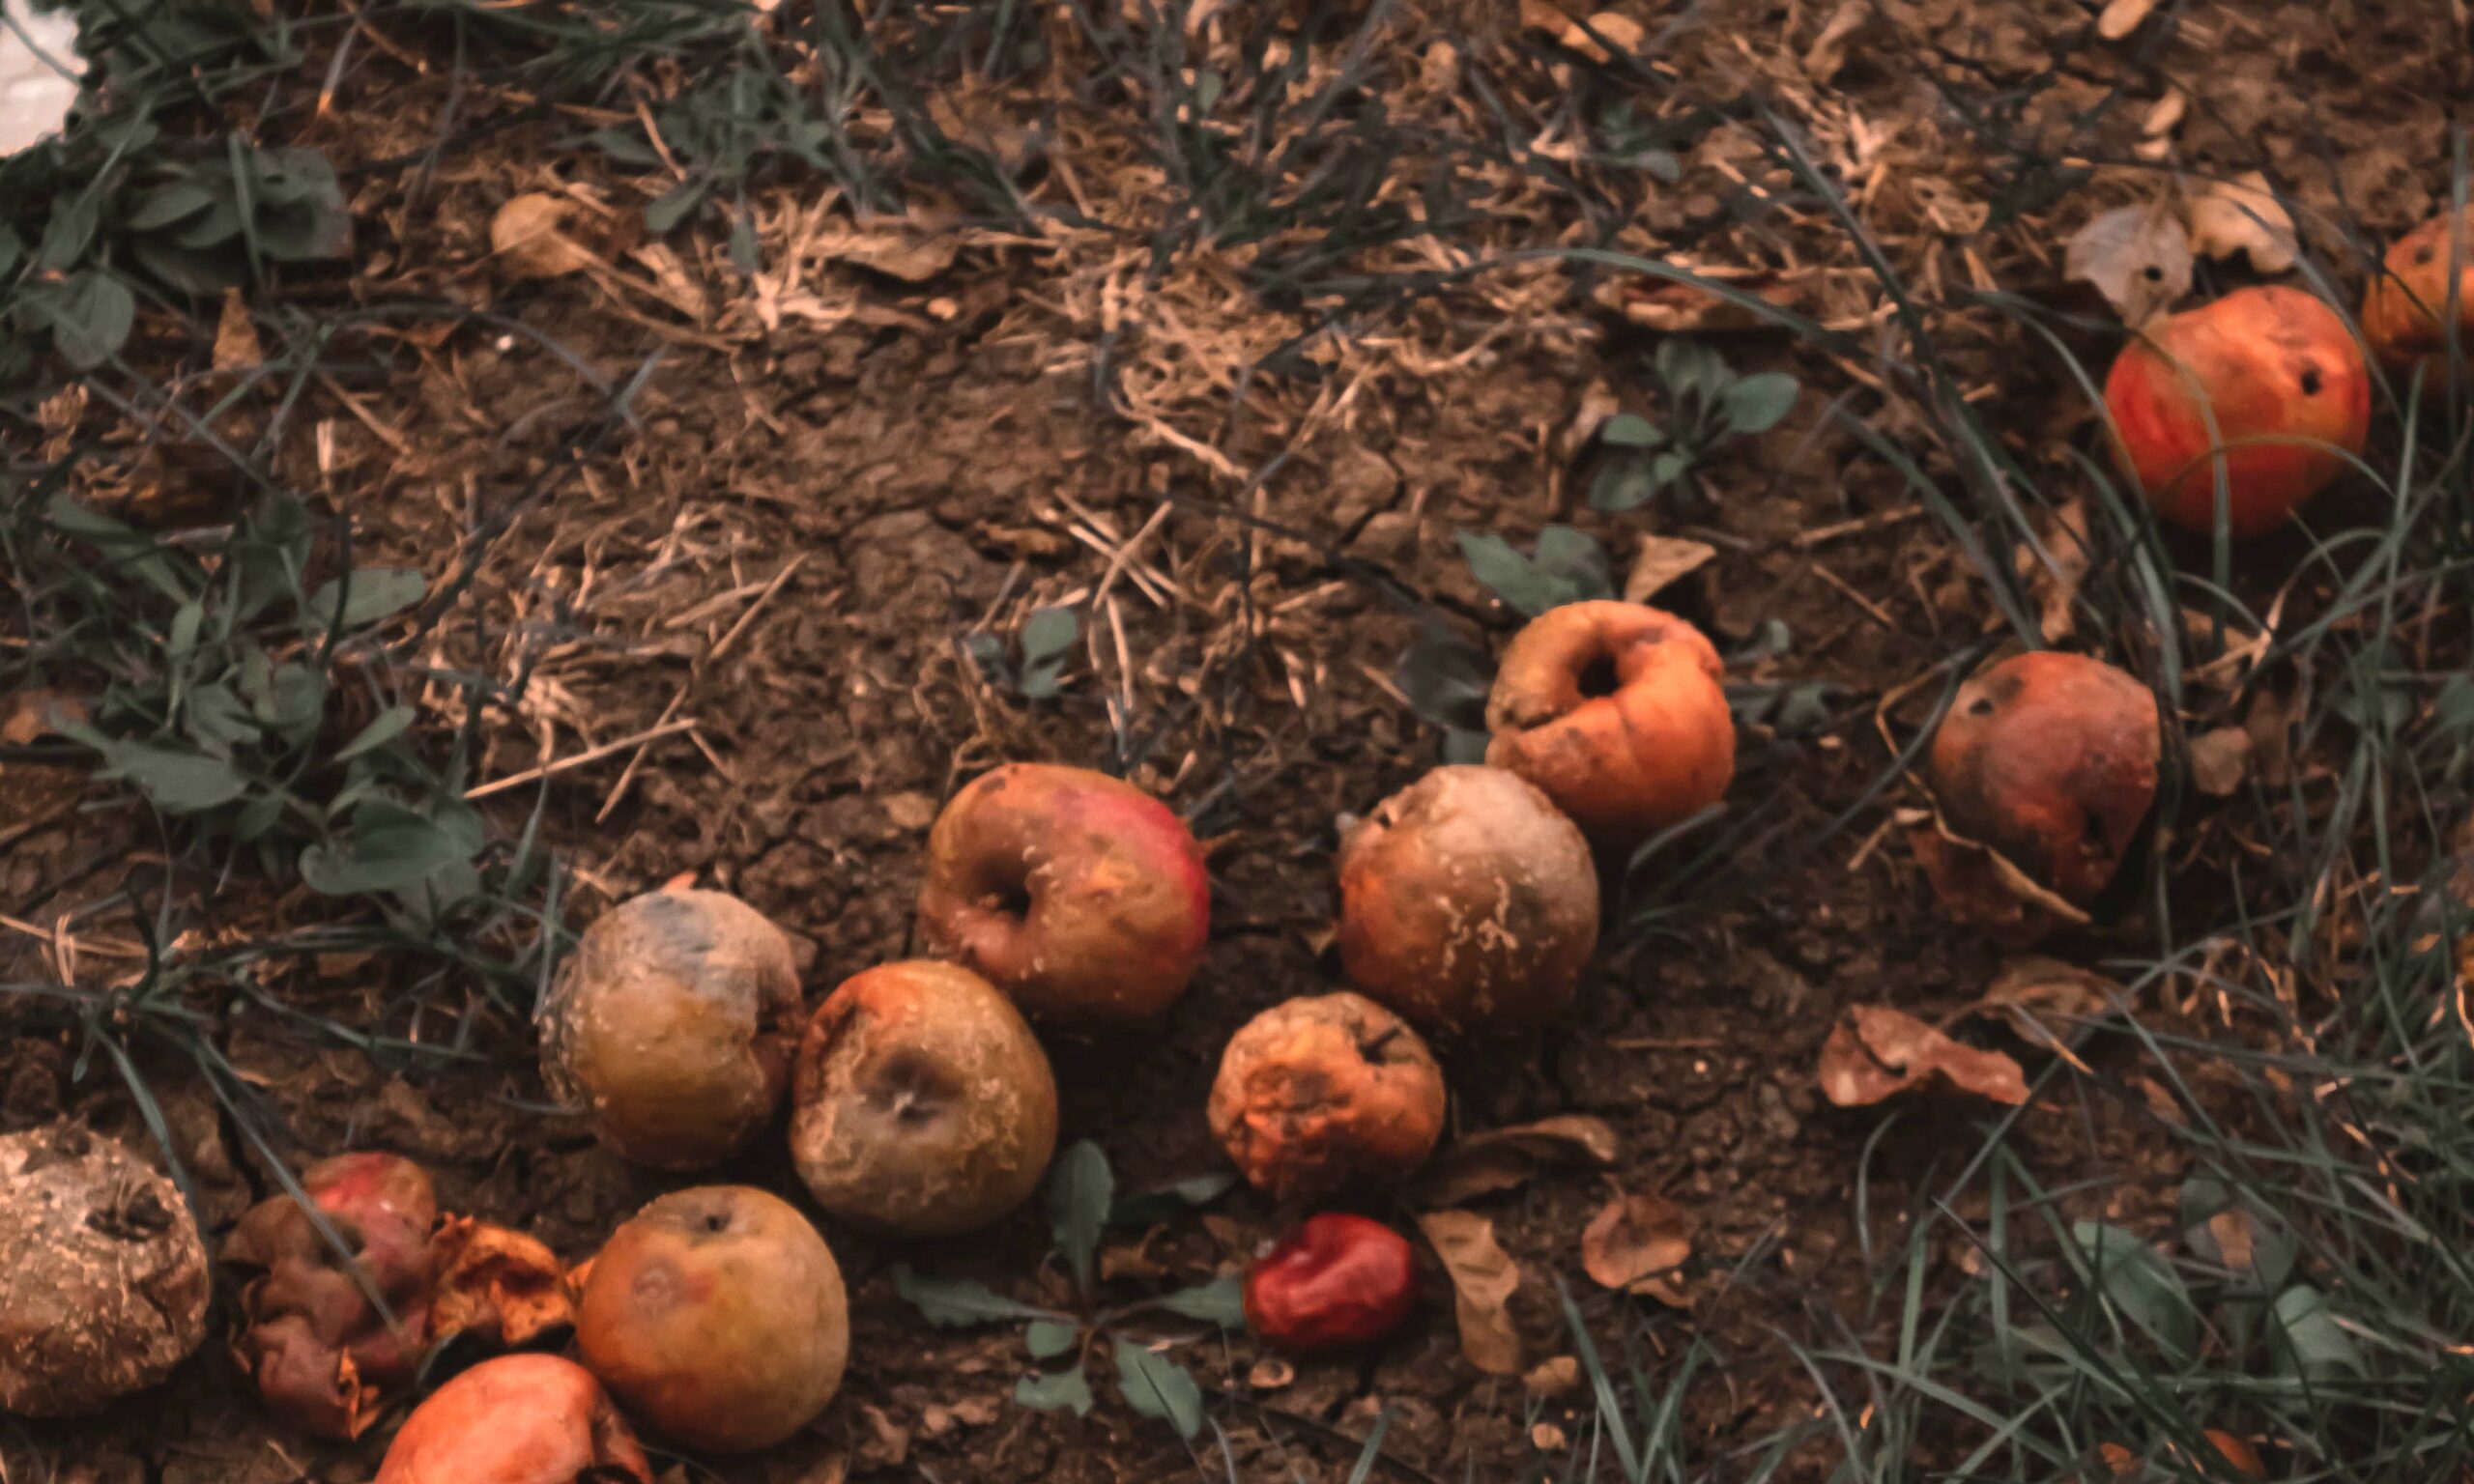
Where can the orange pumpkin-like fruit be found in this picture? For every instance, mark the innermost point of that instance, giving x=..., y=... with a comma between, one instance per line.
x=2286, y=388
x=2403, y=310
x=1615, y=712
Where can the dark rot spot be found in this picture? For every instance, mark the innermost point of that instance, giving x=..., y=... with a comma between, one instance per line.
x=2152, y=273
x=1982, y=705
x=2424, y=256
x=2311, y=381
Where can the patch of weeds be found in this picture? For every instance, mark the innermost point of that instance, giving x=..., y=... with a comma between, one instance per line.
x=1082, y=1203
x=1708, y=404
x=1044, y=644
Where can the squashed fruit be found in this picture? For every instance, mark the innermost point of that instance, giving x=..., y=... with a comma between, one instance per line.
x=1320, y=1094
x=1336, y=1282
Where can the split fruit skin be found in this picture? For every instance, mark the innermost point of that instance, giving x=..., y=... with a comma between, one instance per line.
x=922, y=1103
x=1468, y=903
x=1337, y=1282
x=2284, y=381
x=2051, y=759
x=324, y=1358
x=718, y=1316
x=672, y=1025
x=1319, y=1094
x=518, y=1419
x=104, y=1285
x=1079, y=895
x=1616, y=712
x=2404, y=309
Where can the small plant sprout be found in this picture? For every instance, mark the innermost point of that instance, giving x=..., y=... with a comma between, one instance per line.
x=1706, y=404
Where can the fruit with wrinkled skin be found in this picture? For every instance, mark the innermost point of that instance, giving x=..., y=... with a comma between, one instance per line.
x=1081, y=896
x=324, y=1357
x=495, y=1288
x=1326, y=1092
x=105, y=1286
x=718, y=1316
x=1468, y=903
x=2051, y=759
x=2407, y=300
x=1336, y=1282
x=518, y=1419
x=922, y=1103
x=2288, y=392
x=671, y=1026
x=1615, y=711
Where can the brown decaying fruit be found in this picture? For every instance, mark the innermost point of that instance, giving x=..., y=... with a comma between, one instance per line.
x=2403, y=310
x=494, y=1287
x=2268, y=363
x=518, y=1419
x=922, y=1103
x=717, y=1315
x=1616, y=711
x=1079, y=895
x=672, y=1025
x=324, y=1357
x=1326, y=1092
x=2051, y=759
x=104, y=1284
x=1468, y=903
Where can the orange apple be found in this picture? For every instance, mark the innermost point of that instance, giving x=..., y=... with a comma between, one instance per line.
x=2402, y=309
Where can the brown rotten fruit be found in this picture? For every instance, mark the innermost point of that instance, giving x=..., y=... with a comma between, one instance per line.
x=103, y=1288
x=671, y=1024
x=718, y=1316
x=1079, y=895
x=496, y=1288
x=1322, y=1092
x=519, y=1419
x=323, y=1355
x=1468, y=903
x=2050, y=759
x=1615, y=711
x=923, y=1104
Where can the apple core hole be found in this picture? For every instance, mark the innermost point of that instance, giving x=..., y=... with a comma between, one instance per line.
x=1982, y=705
x=717, y=1221
x=2152, y=273
x=2311, y=382
x=1013, y=899
x=1597, y=677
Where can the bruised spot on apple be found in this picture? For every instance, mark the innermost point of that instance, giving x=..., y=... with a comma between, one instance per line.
x=1079, y=895
x=2404, y=309
x=2285, y=384
x=518, y=1419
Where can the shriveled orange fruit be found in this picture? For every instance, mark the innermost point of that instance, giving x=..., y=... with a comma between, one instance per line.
x=2409, y=300
x=1325, y=1093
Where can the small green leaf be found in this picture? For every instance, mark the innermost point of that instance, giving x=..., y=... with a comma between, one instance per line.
x=1048, y=1338
x=672, y=207
x=1220, y=1302
x=12, y=250
x=2307, y=1338
x=1055, y=1391
x=386, y=727
x=1081, y=1189
x=70, y=231
x=1630, y=430
x=1149, y=1207
x=1759, y=403
x=374, y=593
x=167, y=204
x=1048, y=632
x=389, y=850
x=1157, y=1386
x=953, y=1304
x=177, y=782
x=1446, y=678
x=1575, y=559
x=1691, y=370
x=1622, y=484
x=90, y=317
x=2140, y=1284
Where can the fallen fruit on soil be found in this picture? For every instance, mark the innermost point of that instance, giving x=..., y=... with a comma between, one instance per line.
x=518, y=1419
x=2409, y=300
x=1079, y=895
x=1468, y=903
x=2282, y=378
x=1336, y=1282
x=495, y=1288
x=2049, y=759
x=922, y=1103
x=718, y=1316
x=1615, y=711
x=672, y=1025
x=1324, y=1092
x=324, y=1357
x=105, y=1286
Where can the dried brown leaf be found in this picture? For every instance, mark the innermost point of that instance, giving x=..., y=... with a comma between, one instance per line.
x=1550, y=22
x=236, y=335
x=2139, y=257
x=2220, y=759
x=32, y=714
x=1484, y=1277
x=1549, y=1379
x=2122, y=17
x=1829, y=51
x=2234, y=1230
x=528, y=240
x=2056, y=581
x=1673, y=308
x=1664, y=561
x=1501, y=1159
x=2243, y=216
x=2044, y=999
x=498, y=1285
x=1875, y=1053
x=1639, y=1244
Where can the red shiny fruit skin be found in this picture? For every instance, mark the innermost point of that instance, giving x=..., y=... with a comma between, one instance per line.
x=1337, y=1282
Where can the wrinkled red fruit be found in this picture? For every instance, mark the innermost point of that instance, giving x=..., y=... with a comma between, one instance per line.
x=1337, y=1282
x=323, y=1355
x=519, y=1419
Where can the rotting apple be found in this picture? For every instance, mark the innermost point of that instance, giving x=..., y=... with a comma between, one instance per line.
x=1336, y=1282
x=921, y=1102
x=2403, y=310
x=1616, y=712
x=1468, y=903
x=495, y=1288
x=2269, y=375
x=323, y=1355
x=671, y=1026
x=517, y=1419
x=2051, y=759
x=1319, y=1093
x=1081, y=896
x=717, y=1315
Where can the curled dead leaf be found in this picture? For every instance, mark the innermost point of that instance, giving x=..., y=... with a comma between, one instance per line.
x=1980, y=887
x=1639, y=1244
x=1483, y=1278
x=2220, y=759
x=914, y=250
x=2243, y=216
x=1664, y=561
x=527, y=238
x=1501, y=1159
x=2044, y=1000
x=1875, y=1053
x=500, y=1287
x=2139, y=257
x=1673, y=308
x=236, y=335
